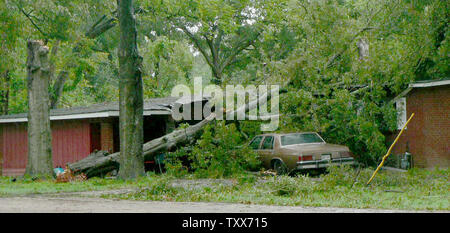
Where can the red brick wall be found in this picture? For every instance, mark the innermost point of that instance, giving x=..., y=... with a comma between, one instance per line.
x=107, y=139
x=428, y=134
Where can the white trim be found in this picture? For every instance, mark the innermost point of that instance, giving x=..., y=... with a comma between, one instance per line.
x=401, y=95
x=160, y=112
x=80, y=116
x=13, y=120
x=113, y=113
x=431, y=84
x=84, y=116
x=419, y=85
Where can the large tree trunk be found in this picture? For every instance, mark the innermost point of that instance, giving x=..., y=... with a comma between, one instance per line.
x=131, y=95
x=97, y=164
x=39, y=134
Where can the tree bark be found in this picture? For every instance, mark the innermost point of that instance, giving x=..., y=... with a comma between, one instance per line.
x=130, y=95
x=58, y=88
x=363, y=49
x=100, y=27
x=40, y=161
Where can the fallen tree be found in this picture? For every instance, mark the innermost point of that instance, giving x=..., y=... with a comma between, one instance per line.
x=99, y=163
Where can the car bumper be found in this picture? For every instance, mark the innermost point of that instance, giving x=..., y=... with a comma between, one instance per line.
x=314, y=164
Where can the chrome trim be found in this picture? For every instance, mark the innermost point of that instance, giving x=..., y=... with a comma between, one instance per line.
x=324, y=163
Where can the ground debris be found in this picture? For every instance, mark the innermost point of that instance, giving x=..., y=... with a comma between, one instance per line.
x=269, y=173
x=68, y=176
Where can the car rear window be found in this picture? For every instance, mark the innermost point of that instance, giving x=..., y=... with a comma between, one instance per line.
x=300, y=138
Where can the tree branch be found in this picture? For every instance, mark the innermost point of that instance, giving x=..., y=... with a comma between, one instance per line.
x=28, y=15
x=197, y=44
x=230, y=58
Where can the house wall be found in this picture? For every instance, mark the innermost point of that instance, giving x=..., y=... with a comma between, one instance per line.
x=107, y=136
x=71, y=141
x=428, y=134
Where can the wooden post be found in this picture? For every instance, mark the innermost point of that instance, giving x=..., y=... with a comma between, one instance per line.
x=389, y=151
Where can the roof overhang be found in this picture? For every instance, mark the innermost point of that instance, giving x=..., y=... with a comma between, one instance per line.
x=84, y=116
x=422, y=85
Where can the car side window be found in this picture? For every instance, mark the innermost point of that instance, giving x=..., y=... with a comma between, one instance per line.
x=256, y=142
x=267, y=143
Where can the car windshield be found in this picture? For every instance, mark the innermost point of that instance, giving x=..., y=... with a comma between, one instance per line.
x=300, y=138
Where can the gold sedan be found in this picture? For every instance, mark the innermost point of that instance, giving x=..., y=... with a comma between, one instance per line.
x=298, y=151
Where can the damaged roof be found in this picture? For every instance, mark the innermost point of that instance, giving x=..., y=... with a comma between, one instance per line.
x=155, y=106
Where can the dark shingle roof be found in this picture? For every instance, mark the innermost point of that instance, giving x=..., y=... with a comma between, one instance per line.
x=161, y=105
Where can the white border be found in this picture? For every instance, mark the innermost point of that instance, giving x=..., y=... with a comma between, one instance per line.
x=84, y=116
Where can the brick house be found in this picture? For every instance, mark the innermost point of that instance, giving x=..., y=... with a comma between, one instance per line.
x=78, y=131
x=427, y=136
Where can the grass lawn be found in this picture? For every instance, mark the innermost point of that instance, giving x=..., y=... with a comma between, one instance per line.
x=25, y=186
x=416, y=189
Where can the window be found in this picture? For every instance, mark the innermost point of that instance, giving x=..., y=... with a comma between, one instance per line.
x=300, y=138
x=255, y=142
x=268, y=143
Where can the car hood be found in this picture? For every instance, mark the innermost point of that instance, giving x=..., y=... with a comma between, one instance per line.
x=313, y=147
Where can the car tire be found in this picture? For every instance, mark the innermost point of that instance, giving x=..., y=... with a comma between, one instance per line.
x=279, y=167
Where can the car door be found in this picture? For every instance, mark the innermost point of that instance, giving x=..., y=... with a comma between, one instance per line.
x=266, y=150
x=256, y=143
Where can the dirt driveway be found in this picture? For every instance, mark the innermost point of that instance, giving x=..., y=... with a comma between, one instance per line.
x=64, y=203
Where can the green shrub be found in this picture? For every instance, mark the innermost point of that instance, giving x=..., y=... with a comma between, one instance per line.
x=174, y=164
x=218, y=153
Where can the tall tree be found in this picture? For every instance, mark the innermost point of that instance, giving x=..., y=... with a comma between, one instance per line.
x=101, y=26
x=40, y=161
x=73, y=44
x=220, y=30
x=10, y=32
x=131, y=95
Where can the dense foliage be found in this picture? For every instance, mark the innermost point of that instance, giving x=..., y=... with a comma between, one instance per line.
x=341, y=61
x=216, y=154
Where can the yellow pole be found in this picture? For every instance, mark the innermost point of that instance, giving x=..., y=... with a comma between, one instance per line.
x=389, y=151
